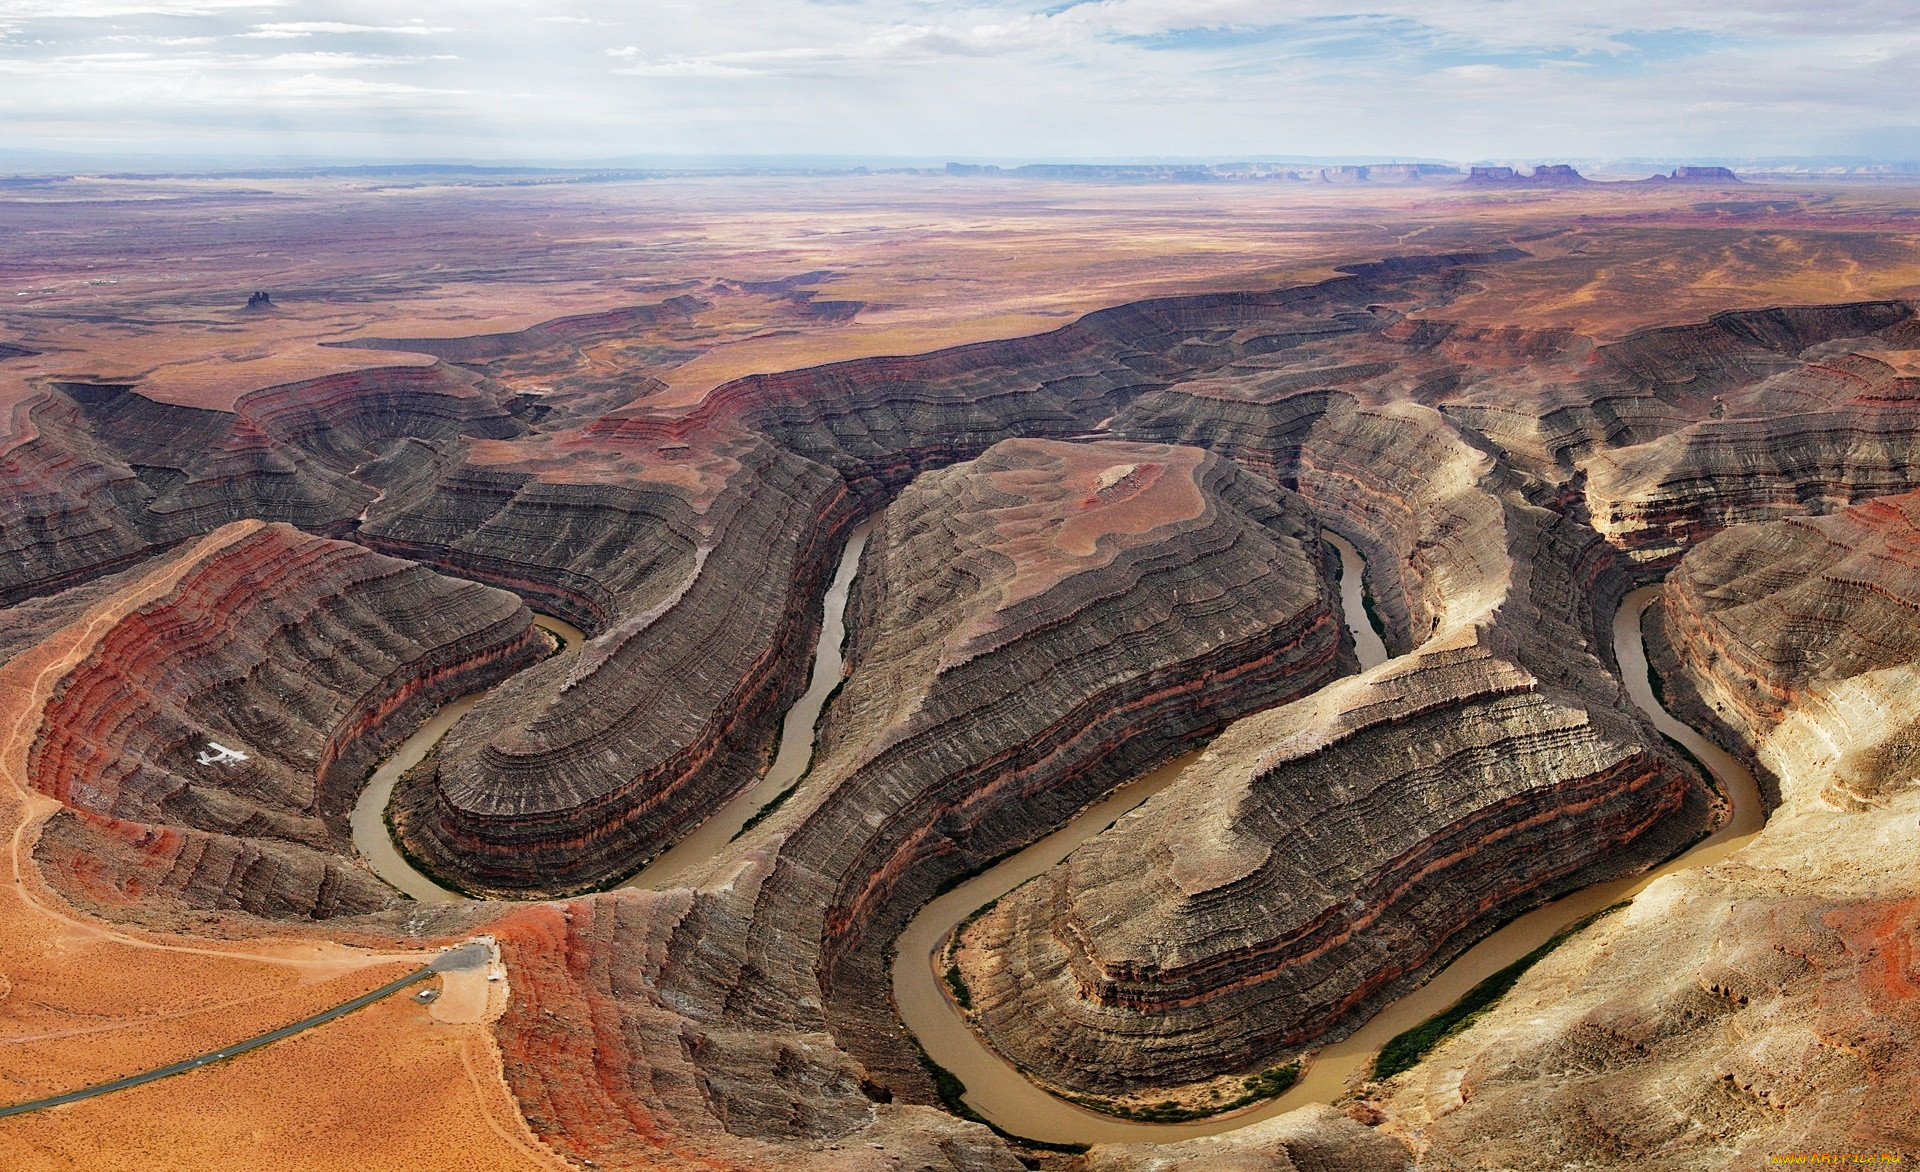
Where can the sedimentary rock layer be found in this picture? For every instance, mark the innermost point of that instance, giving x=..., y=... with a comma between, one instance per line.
x=585, y=769
x=1313, y=1139
x=1102, y=606
x=1321, y=855
x=1767, y=1004
x=95, y=476
x=1800, y=638
x=647, y=507
x=691, y=536
x=213, y=743
x=570, y=788
x=1030, y=629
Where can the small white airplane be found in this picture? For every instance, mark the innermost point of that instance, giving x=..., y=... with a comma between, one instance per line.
x=221, y=755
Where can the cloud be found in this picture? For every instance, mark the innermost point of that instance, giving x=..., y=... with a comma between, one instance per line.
x=318, y=85
x=1062, y=78
x=312, y=61
x=112, y=9
x=307, y=28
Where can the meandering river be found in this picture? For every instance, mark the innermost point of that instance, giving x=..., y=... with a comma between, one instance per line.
x=994, y=1088
x=374, y=840
x=1000, y=1093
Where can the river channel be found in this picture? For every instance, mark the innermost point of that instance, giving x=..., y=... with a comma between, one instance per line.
x=1001, y=1094
x=994, y=1088
x=374, y=840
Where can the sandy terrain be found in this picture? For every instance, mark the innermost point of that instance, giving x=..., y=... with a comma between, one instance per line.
x=82, y=1003
x=116, y=279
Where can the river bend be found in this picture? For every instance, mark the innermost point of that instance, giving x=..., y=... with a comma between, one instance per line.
x=1001, y=1094
x=994, y=1088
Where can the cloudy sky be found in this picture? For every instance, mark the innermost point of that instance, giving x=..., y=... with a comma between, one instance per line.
x=592, y=79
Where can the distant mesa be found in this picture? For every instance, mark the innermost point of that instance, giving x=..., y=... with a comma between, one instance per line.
x=1546, y=175
x=1208, y=173
x=260, y=300
x=1697, y=175
x=1388, y=173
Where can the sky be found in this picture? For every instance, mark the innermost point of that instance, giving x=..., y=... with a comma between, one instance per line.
x=581, y=80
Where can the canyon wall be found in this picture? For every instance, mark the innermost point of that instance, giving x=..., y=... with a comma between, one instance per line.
x=304, y=658
x=1030, y=629
x=1102, y=552
x=1766, y=1004
x=1323, y=856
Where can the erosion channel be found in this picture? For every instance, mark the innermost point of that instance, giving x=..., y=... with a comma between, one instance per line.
x=1000, y=1094
x=374, y=838
x=994, y=1088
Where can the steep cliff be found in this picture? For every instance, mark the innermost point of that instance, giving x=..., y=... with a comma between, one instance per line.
x=1323, y=855
x=1030, y=629
x=1765, y=1005
x=212, y=745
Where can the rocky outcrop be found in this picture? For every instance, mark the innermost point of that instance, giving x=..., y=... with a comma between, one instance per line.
x=1320, y=856
x=611, y=1062
x=1766, y=1004
x=1544, y=175
x=1799, y=637
x=569, y=789
x=1029, y=630
x=214, y=741
x=1035, y=622
x=97, y=476
x=1312, y=1139
x=1194, y=593
x=585, y=769
x=1718, y=176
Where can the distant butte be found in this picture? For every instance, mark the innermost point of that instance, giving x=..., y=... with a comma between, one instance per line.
x=1545, y=175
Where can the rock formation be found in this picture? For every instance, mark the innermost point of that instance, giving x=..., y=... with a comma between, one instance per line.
x=1544, y=175
x=1321, y=855
x=210, y=748
x=584, y=770
x=1030, y=629
x=1764, y=1005
x=1315, y=1139
x=1719, y=176
x=1797, y=638
x=1095, y=548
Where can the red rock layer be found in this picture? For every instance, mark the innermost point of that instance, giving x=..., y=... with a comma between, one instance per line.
x=306, y=655
x=609, y=1068
x=583, y=771
x=1771, y=619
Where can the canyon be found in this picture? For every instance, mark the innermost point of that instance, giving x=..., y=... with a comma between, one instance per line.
x=1234, y=665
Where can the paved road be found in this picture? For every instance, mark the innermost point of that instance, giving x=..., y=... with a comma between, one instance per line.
x=464, y=957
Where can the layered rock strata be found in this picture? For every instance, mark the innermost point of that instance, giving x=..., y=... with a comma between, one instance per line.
x=1323, y=855
x=587, y=768
x=692, y=540
x=1029, y=630
x=1799, y=637
x=1313, y=1139
x=96, y=476
x=211, y=746
x=570, y=789
x=605, y=524
x=1766, y=1004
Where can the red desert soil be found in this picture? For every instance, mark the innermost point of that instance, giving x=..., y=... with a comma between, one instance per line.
x=112, y=279
x=82, y=1002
